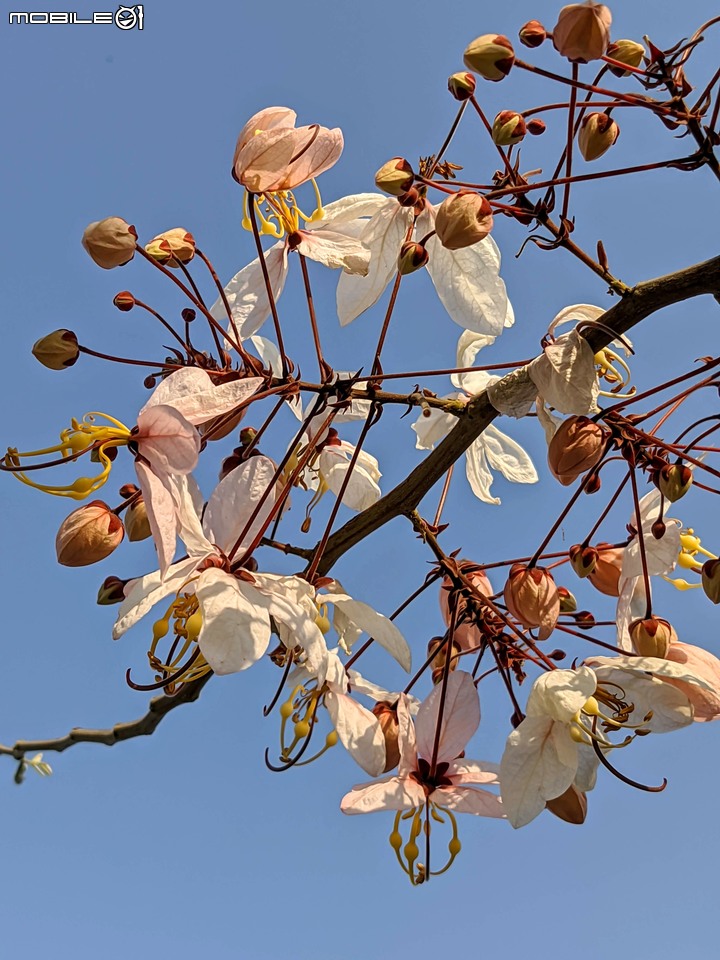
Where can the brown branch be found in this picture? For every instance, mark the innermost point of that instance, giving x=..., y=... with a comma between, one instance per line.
x=158, y=709
x=640, y=302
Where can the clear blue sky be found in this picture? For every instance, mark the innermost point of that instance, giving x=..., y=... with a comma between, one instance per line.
x=183, y=844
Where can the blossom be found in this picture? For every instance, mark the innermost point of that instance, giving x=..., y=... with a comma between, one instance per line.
x=493, y=448
x=273, y=154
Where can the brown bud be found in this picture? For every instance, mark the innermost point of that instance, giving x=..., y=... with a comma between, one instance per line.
x=532, y=34
x=584, y=619
x=490, y=56
x=570, y=806
x=136, y=521
x=711, y=580
x=625, y=51
x=461, y=86
x=532, y=598
x=111, y=591
x=172, y=247
x=57, y=350
x=395, y=177
x=577, y=447
x=598, y=132
x=463, y=219
x=508, y=128
x=568, y=603
x=124, y=301
x=652, y=637
x=536, y=126
x=673, y=481
x=608, y=567
x=583, y=559
x=110, y=242
x=582, y=32
x=387, y=717
x=413, y=256
x=88, y=534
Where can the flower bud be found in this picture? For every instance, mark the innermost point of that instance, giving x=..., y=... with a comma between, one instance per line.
x=490, y=56
x=88, y=534
x=508, y=128
x=463, y=219
x=124, y=301
x=467, y=635
x=576, y=447
x=652, y=637
x=412, y=257
x=608, y=567
x=570, y=806
x=711, y=580
x=582, y=32
x=532, y=598
x=532, y=34
x=57, y=350
x=136, y=521
x=112, y=590
x=598, y=132
x=172, y=247
x=395, y=177
x=583, y=559
x=387, y=718
x=626, y=51
x=673, y=481
x=536, y=126
x=568, y=603
x=110, y=242
x=461, y=86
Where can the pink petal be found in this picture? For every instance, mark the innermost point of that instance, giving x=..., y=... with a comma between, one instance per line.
x=160, y=507
x=271, y=118
x=466, y=800
x=706, y=703
x=262, y=164
x=460, y=720
x=392, y=793
x=324, y=151
x=406, y=738
x=168, y=442
x=234, y=501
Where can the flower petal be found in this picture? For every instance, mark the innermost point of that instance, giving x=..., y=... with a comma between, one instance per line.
x=335, y=250
x=466, y=800
x=247, y=294
x=469, y=286
x=359, y=731
x=161, y=513
x=507, y=456
x=392, y=793
x=145, y=592
x=561, y=693
x=167, y=440
x=369, y=621
x=235, y=499
x=565, y=375
x=460, y=718
x=476, y=470
x=235, y=630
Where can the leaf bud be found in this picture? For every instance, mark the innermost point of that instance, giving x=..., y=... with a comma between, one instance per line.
x=112, y=590
x=598, y=132
x=576, y=447
x=568, y=603
x=508, y=128
x=395, y=177
x=625, y=51
x=583, y=559
x=490, y=56
x=172, y=247
x=124, y=301
x=386, y=714
x=461, y=86
x=608, y=567
x=582, y=32
x=652, y=637
x=110, y=242
x=711, y=579
x=532, y=598
x=463, y=219
x=136, y=521
x=532, y=34
x=413, y=256
x=88, y=534
x=570, y=806
x=536, y=126
x=57, y=350
x=673, y=480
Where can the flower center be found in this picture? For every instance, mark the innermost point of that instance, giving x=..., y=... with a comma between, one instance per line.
x=279, y=214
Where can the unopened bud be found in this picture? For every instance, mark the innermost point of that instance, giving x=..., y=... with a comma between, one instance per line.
x=461, y=86
x=568, y=603
x=585, y=620
x=136, y=521
x=576, y=447
x=536, y=126
x=490, y=56
x=608, y=567
x=673, y=481
x=110, y=242
x=124, y=301
x=188, y=314
x=247, y=435
x=583, y=559
x=711, y=580
x=570, y=806
x=625, y=51
x=57, y=350
x=652, y=637
x=463, y=219
x=598, y=132
x=532, y=598
x=508, y=128
x=387, y=718
x=88, y=534
x=532, y=34
x=172, y=247
x=111, y=591
x=410, y=198
x=413, y=256
x=582, y=32
x=395, y=177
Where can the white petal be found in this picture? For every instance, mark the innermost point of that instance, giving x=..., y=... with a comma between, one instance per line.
x=392, y=793
x=565, y=375
x=247, y=293
x=362, y=490
x=507, y=456
x=478, y=473
x=652, y=665
x=235, y=630
x=482, y=803
x=469, y=286
x=431, y=429
x=369, y=621
x=160, y=507
x=335, y=250
x=514, y=394
x=577, y=312
x=348, y=209
x=561, y=693
x=235, y=499
x=632, y=604
x=460, y=718
x=468, y=347
x=359, y=732
x=146, y=591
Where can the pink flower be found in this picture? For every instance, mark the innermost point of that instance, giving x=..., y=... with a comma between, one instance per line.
x=705, y=702
x=273, y=154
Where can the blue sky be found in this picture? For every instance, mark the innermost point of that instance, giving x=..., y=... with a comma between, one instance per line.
x=183, y=843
